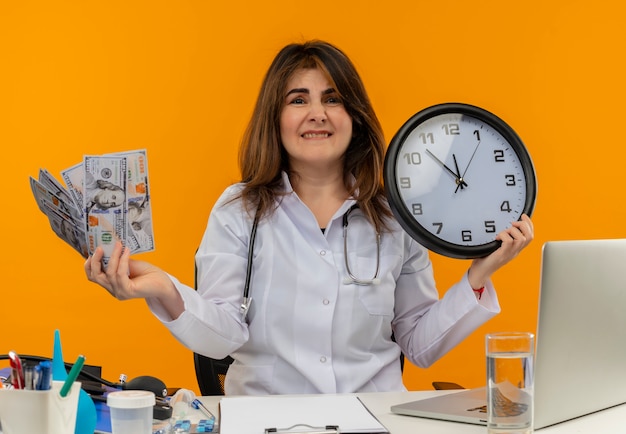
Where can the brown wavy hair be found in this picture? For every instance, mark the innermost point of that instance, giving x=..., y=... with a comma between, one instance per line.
x=262, y=156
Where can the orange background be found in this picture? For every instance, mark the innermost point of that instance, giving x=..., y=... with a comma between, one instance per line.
x=180, y=78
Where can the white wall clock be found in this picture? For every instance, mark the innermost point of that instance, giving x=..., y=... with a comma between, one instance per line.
x=456, y=175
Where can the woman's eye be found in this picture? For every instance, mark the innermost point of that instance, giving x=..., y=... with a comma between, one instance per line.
x=333, y=100
x=298, y=100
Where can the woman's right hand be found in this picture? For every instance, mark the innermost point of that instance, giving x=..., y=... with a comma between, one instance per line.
x=124, y=278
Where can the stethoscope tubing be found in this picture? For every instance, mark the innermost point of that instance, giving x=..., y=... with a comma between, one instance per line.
x=351, y=278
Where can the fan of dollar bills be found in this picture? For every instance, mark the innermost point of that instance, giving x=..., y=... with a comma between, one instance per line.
x=105, y=198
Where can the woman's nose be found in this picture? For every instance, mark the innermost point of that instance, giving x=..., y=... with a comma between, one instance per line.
x=318, y=112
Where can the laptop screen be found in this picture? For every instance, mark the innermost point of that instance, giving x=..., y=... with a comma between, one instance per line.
x=581, y=332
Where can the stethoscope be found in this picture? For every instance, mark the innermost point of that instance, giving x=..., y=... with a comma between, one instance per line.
x=349, y=279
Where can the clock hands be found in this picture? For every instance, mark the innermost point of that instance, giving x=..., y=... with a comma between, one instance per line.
x=461, y=178
x=471, y=158
x=460, y=182
x=457, y=176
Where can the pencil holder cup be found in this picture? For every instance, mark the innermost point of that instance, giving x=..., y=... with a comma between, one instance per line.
x=39, y=411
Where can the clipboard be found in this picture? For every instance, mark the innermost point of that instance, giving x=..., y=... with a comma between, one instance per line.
x=286, y=414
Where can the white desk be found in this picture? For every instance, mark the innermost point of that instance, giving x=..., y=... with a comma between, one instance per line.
x=612, y=420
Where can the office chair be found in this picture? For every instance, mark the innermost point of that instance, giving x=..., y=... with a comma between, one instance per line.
x=211, y=373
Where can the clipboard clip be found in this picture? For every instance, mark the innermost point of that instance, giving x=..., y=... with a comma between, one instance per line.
x=328, y=429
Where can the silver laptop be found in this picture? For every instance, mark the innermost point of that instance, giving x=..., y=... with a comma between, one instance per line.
x=580, y=359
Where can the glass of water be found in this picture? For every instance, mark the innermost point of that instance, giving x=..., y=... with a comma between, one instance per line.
x=510, y=382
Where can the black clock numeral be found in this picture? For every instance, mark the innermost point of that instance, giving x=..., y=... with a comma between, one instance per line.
x=451, y=129
x=506, y=207
x=490, y=226
x=498, y=155
x=439, y=227
x=414, y=158
x=405, y=182
x=466, y=236
x=510, y=180
x=417, y=209
x=427, y=138
x=477, y=134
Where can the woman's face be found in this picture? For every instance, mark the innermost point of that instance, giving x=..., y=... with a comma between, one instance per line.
x=315, y=127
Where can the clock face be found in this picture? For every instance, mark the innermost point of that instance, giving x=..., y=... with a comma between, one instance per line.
x=456, y=175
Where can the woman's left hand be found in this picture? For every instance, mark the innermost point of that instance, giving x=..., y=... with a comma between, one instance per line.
x=514, y=240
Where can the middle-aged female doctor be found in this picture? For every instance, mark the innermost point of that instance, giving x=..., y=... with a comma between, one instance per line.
x=322, y=313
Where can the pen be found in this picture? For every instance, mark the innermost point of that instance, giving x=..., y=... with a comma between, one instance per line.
x=29, y=377
x=43, y=375
x=198, y=405
x=71, y=377
x=17, y=372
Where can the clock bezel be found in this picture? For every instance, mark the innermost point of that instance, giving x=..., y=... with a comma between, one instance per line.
x=392, y=190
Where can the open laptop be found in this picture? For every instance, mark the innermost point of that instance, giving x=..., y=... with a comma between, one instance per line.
x=580, y=356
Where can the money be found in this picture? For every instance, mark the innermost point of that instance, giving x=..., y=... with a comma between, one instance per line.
x=139, y=235
x=73, y=178
x=105, y=198
x=46, y=179
x=104, y=202
x=61, y=215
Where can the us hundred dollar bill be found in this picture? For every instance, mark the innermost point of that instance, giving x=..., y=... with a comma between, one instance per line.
x=104, y=202
x=139, y=235
x=60, y=212
x=50, y=182
x=74, y=178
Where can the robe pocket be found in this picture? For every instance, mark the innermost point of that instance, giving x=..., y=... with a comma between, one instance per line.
x=377, y=298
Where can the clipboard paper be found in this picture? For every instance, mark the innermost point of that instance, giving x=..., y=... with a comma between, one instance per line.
x=310, y=414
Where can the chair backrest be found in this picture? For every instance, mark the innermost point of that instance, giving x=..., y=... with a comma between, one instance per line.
x=211, y=373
